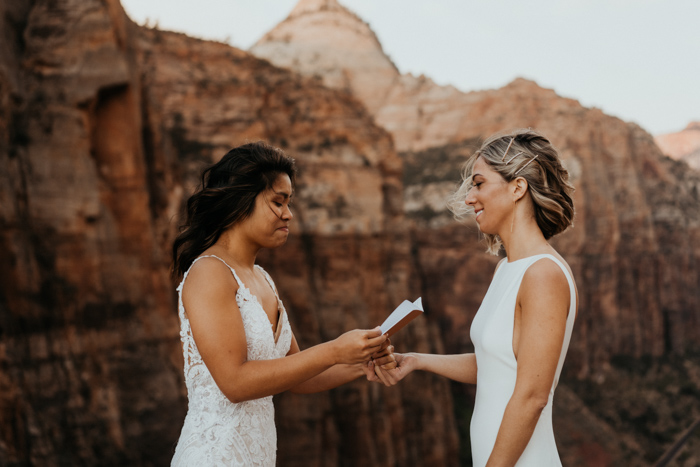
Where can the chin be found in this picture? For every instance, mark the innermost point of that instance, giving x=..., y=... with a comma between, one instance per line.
x=278, y=242
x=486, y=230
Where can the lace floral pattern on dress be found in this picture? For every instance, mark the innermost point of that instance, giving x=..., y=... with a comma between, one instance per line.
x=218, y=432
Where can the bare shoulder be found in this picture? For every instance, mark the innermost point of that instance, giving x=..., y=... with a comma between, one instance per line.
x=546, y=270
x=545, y=281
x=209, y=277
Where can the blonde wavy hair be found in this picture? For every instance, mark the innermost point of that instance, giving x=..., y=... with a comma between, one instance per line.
x=548, y=181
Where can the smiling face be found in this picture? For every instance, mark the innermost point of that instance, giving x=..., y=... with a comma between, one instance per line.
x=268, y=225
x=490, y=197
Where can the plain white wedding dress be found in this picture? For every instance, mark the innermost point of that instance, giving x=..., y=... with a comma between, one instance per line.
x=216, y=431
x=492, y=335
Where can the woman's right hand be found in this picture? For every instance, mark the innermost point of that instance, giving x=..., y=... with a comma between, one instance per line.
x=405, y=363
x=358, y=346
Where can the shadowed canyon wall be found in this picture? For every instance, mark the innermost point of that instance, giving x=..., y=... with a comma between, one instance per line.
x=104, y=128
x=630, y=266
x=633, y=249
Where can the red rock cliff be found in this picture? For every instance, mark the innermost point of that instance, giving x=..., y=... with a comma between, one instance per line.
x=639, y=291
x=103, y=129
x=634, y=247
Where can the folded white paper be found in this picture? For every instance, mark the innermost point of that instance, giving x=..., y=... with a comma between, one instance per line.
x=401, y=316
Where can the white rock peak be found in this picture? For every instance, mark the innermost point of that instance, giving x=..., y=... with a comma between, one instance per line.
x=305, y=6
x=323, y=38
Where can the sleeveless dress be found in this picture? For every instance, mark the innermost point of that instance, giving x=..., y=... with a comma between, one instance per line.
x=218, y=432
x=492, y=335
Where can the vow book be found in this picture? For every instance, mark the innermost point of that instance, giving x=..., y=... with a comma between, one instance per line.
x=401, y=316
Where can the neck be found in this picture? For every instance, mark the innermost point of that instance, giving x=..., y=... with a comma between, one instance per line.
x=234, y=246
x=525, y=240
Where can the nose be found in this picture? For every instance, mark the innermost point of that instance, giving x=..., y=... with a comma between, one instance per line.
x=287, y=213
x=470, y=199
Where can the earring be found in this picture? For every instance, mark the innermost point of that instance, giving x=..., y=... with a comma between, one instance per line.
x=512, y=221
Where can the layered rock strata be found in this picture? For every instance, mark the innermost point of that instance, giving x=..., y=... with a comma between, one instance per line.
x=637, y=275
x=104, y=127
x=633, y=248
x=348, y=260
x=357, y=63
x=634, y=298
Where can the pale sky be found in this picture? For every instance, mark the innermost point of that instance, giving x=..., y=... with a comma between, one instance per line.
x=638, y=60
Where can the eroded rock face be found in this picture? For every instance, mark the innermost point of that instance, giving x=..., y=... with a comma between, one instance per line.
x=88, y=331
x=333, y=43
x=324, y=39
x=628, y=199
x=104, y=128
x=683, y=145
x=348, y=260
x=637, y=279
x=633, y=248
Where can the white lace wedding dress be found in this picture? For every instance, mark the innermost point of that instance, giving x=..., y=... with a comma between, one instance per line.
x=218, y=432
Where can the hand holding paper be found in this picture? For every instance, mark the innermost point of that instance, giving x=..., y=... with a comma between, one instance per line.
x=401, y=316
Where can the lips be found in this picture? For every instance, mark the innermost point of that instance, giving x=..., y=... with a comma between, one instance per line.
x=478, y=213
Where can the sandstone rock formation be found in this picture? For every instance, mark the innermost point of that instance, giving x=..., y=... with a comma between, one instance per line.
x=629, y=199
x=634, y=246
x=348, y=260
x=104, y=127
x=357, y=63
x=683, y=145
x=620, y=218
x=89, y=339
x=322, y=38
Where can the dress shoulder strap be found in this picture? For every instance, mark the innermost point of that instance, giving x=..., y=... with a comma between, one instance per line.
x=269, y=280
x=233, y=271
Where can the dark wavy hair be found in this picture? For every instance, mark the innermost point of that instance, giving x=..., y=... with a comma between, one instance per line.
x=226, y=196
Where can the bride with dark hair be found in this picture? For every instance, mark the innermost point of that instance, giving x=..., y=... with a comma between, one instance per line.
x=238, y=345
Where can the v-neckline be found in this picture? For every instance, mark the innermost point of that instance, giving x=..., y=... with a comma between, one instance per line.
x=276, y=329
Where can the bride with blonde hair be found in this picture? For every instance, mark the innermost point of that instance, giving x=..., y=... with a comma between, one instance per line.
x=520, y=196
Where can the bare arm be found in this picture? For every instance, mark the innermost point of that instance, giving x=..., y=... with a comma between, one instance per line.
x=459, y=367
x=337, y=375
x=544, y=303
x=217, y=326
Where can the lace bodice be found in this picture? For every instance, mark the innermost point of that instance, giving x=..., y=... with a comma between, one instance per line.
x=218, y=432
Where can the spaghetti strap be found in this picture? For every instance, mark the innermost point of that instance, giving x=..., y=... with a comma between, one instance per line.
x=215, y=427
x=269, y=281
x=233, y=271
